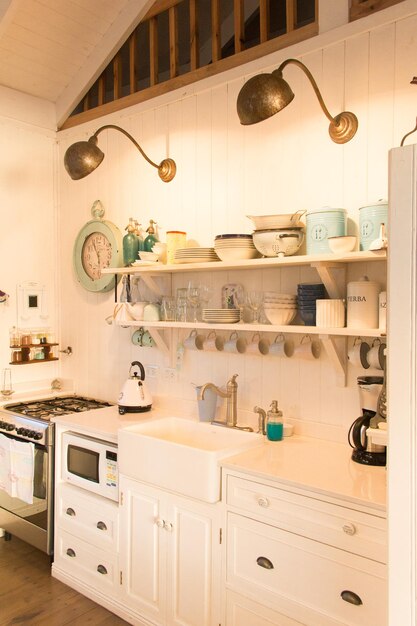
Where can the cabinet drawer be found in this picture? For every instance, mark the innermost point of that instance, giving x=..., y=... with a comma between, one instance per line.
x=360, y=533
x=88, y=516
x=89, y=564
x=301, y=577
x=241, y=611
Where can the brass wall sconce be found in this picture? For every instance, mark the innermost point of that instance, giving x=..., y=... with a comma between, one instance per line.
x=266, y=94
x=83, y=157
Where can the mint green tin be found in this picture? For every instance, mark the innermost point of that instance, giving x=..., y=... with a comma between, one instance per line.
x=322, y=224
x=370, y=219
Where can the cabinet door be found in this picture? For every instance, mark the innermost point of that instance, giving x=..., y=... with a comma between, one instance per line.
x=194, y=563
x=142, y=550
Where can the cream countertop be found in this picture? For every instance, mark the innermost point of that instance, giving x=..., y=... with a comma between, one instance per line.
x=316, y=464
x=303, y=462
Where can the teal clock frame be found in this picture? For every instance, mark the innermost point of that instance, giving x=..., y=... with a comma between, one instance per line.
x=114, y=236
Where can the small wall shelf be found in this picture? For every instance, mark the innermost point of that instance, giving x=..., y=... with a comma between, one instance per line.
x=25, y=350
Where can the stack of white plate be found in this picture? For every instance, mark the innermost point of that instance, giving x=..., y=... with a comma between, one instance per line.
x=195, y=255
x=280, y=308
x=221, y=316
x=235, y=247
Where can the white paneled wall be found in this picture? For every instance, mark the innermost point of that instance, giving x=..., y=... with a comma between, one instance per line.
x=28, y=231
x=225, y=172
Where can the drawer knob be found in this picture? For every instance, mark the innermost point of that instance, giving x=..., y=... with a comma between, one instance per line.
x=351, y=597
x=101, y=526
x=70, y=512
x=160, y=522
x=101, y=569
x=349, y=528
x=264, y=502
x=168, y=526
x=263, y=561
x=71, y=552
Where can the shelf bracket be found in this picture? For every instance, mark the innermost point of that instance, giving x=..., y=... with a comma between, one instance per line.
x=336, y=356
x=153, y=285
x=326, y=276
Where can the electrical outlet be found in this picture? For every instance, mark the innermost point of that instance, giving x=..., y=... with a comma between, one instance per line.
x=151, y=371
x=170, y=373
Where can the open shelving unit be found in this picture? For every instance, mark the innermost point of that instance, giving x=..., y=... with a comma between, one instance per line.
x=324, y=265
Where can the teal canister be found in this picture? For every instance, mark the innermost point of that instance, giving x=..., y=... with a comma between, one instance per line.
x=370, y=219
x=322, y=224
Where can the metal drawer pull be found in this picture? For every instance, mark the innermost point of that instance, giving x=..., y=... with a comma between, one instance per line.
x=262, y=561
x=101, y=569
x=351, y=597
x=262, y=501
x=101, y=526
x=71, y=552
x=349, y=529
x=70, y=512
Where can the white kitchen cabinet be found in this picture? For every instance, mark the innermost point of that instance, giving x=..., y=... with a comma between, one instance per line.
x=302, y=559
x=169, y=557
x=86, y=538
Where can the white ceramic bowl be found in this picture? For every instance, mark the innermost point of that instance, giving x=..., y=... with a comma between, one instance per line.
x=234, y=254
x=148, y=256
x=290, y=220
x=281, y=317
x=342, y=244
x=280, y=305
x=278, y=242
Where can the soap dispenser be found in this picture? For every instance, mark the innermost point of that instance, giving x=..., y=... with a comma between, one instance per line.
x=274, y=423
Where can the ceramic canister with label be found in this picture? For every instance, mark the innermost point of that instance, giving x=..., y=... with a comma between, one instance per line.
x=322, y=224
x=370, y=219
x=363, y=303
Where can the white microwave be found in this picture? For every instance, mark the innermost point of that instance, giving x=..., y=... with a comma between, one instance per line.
x=91, y=464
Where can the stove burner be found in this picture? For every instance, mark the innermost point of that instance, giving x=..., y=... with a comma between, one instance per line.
x=44, y=409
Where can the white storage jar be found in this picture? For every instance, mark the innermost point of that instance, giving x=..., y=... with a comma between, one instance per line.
x=363, y=303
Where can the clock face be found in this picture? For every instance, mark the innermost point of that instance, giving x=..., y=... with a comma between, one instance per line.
x=98, y=246
x=96, y=254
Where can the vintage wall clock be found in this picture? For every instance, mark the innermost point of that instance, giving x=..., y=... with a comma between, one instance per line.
x=98, y=245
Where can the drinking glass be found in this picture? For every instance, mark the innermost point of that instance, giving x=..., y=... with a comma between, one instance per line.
x=240, y=299
x=193, y=298
x=255, y=300
x=7, y=389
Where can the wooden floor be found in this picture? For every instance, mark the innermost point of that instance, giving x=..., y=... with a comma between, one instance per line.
x=29, y=594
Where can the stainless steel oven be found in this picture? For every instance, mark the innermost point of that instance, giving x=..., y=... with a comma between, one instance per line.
x=30, y=422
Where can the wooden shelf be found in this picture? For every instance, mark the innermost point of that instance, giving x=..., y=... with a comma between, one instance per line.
x=251, y=264
x=259, y=328
x=53, y=358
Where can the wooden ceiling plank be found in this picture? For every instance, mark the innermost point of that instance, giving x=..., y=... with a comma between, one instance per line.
x=49, y=47
x=52, y=61
x=26, y=82
x=95, y=21
x=35, y=68
x=159, y=7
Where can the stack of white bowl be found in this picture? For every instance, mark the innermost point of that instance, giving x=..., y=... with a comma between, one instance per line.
x=235, y=247
x=280, y=308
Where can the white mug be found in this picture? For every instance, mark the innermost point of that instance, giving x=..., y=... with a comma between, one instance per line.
x=235, y=344
x=282, y=347
x=194, y=341
x=375, y=356
x=258, y=345
x=308, y=349
x=213, y=342
x=358, y=353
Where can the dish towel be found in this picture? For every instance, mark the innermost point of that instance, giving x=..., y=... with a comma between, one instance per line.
x=17, y=468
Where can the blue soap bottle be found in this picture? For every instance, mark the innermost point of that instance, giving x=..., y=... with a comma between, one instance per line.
x=274, y=423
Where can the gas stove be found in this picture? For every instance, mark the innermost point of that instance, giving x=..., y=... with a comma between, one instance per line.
x=30, y=420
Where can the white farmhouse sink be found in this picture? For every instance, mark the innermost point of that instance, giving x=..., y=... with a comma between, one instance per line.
x=180, y=455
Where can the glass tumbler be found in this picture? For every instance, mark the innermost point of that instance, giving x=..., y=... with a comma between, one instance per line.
x=168, y=309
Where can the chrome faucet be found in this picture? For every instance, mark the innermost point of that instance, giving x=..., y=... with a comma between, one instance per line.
x=231, y=405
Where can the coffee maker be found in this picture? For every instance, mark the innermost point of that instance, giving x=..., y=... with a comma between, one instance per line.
x=371, y=400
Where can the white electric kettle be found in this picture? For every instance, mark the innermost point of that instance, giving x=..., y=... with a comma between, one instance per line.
x=134, y=397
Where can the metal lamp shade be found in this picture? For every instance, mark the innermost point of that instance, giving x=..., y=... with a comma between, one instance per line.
x=82, y=158
x=262, y=96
